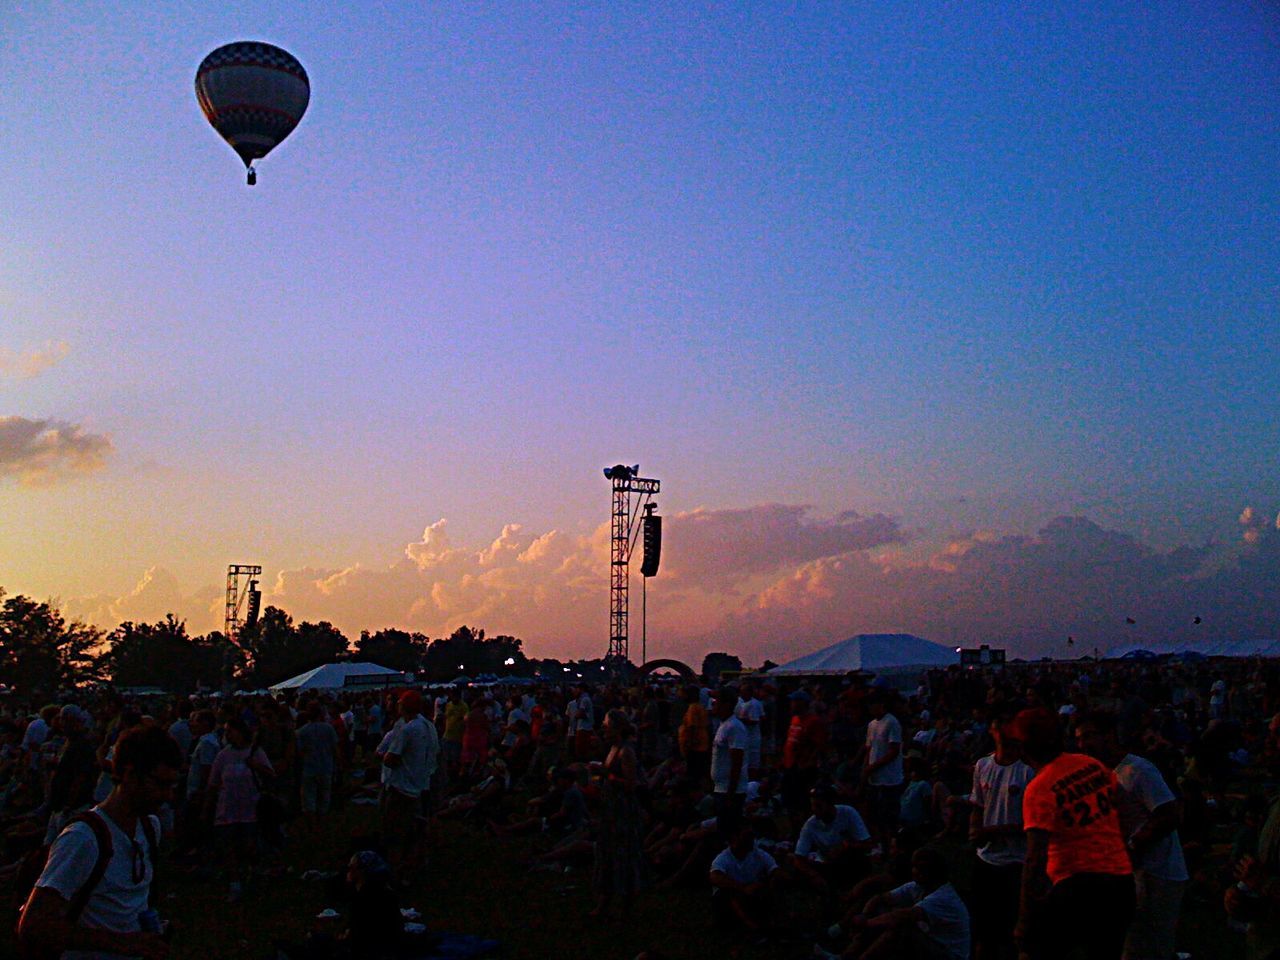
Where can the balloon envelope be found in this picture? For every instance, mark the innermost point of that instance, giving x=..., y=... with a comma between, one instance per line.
x=253, y=94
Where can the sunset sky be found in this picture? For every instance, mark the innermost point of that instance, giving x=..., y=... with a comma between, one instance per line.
x=953, y=319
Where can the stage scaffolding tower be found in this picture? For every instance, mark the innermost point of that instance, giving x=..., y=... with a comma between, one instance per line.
x=233, y=621
x=631, y=494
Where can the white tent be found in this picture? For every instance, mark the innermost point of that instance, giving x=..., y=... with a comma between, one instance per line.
x=873, y=652
x=333, y=676
x=1211, y=648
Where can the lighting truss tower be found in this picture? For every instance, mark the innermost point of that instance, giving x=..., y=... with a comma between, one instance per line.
x=235, y=571
x=631, y=493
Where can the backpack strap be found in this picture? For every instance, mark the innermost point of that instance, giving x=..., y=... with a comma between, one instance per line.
x=102, y=835
x=153, y=852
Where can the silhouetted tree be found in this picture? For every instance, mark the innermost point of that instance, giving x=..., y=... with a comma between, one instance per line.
x=392, y=648
x=277, y=650
x=40, y=651
x=714, y=664
x=163, y=655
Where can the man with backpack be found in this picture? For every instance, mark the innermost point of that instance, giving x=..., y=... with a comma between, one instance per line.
x=91, y=899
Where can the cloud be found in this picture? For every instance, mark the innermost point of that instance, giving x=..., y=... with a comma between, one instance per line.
x=156, y=594
x=552, y=588
x=1029, y=593
x=772, y=581
x=42, y=452
x=725, y=545
x=25, y=364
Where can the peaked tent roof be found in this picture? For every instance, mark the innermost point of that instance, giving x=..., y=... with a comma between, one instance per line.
x=331, y=676
x=875, y=652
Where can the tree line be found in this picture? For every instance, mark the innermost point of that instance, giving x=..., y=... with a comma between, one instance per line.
x=42, y=652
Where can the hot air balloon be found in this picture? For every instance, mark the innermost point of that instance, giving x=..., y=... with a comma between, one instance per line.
x=253, y=94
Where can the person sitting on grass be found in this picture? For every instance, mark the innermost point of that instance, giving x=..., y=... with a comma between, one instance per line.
x=924, y=919
x=560, y=812
x=487, y=794
x=743, y=881
x=833, y=842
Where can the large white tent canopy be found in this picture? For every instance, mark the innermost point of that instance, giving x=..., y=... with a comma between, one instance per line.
x=333, y=676
x=873, y=652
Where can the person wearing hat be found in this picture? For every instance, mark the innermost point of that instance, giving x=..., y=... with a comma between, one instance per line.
x=1077, y=884
x=996, y=830
x=410, y=760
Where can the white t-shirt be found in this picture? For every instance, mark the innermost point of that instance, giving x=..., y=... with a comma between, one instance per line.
x=750, y=712
x=117, y=900
x=881, y=735
x=818, y=836
x=946, y=917
x=584, y=716
x=202, y=757
x=417, y=746
x=755, y=867
x=33, y=738
x=731, y=735
x=997, y=793
x=1142, y=790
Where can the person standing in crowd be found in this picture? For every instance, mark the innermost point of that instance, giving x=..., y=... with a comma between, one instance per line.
x=584, y=724
x=476, y=729
x=1149, y=814
x=38, y=731
x=180, y=729
x=1077, y=884
x=751, y=712
x=71, y=787
x=410, y=758
x=96, y=883
x=695, y=736
x=455, y=722
x=318, y=749
x=728, y=763
x=801, y=753
x=882, y=768
x=619, y=850
x=995, y=825
x=235, y=786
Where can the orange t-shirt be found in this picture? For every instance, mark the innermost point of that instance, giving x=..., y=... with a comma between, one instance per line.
x=1073, y=799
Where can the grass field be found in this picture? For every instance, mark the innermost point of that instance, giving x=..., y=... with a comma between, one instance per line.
x=474, y=885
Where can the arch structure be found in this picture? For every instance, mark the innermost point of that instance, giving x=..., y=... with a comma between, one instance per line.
x=685, y=671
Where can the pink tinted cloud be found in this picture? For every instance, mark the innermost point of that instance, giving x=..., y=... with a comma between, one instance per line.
x=772, y=582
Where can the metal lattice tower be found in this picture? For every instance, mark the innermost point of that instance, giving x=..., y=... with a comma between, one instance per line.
x=231, y=622
x=630, y=492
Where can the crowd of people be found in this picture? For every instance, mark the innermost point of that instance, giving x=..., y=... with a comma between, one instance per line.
x=1026, y=811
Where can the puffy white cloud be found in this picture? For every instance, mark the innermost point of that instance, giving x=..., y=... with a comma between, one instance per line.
x=734, y=584
x=156, y=594
x=42, y=452
x=25, y=364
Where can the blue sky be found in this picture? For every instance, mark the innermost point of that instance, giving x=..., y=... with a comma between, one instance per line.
x=968, y=266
